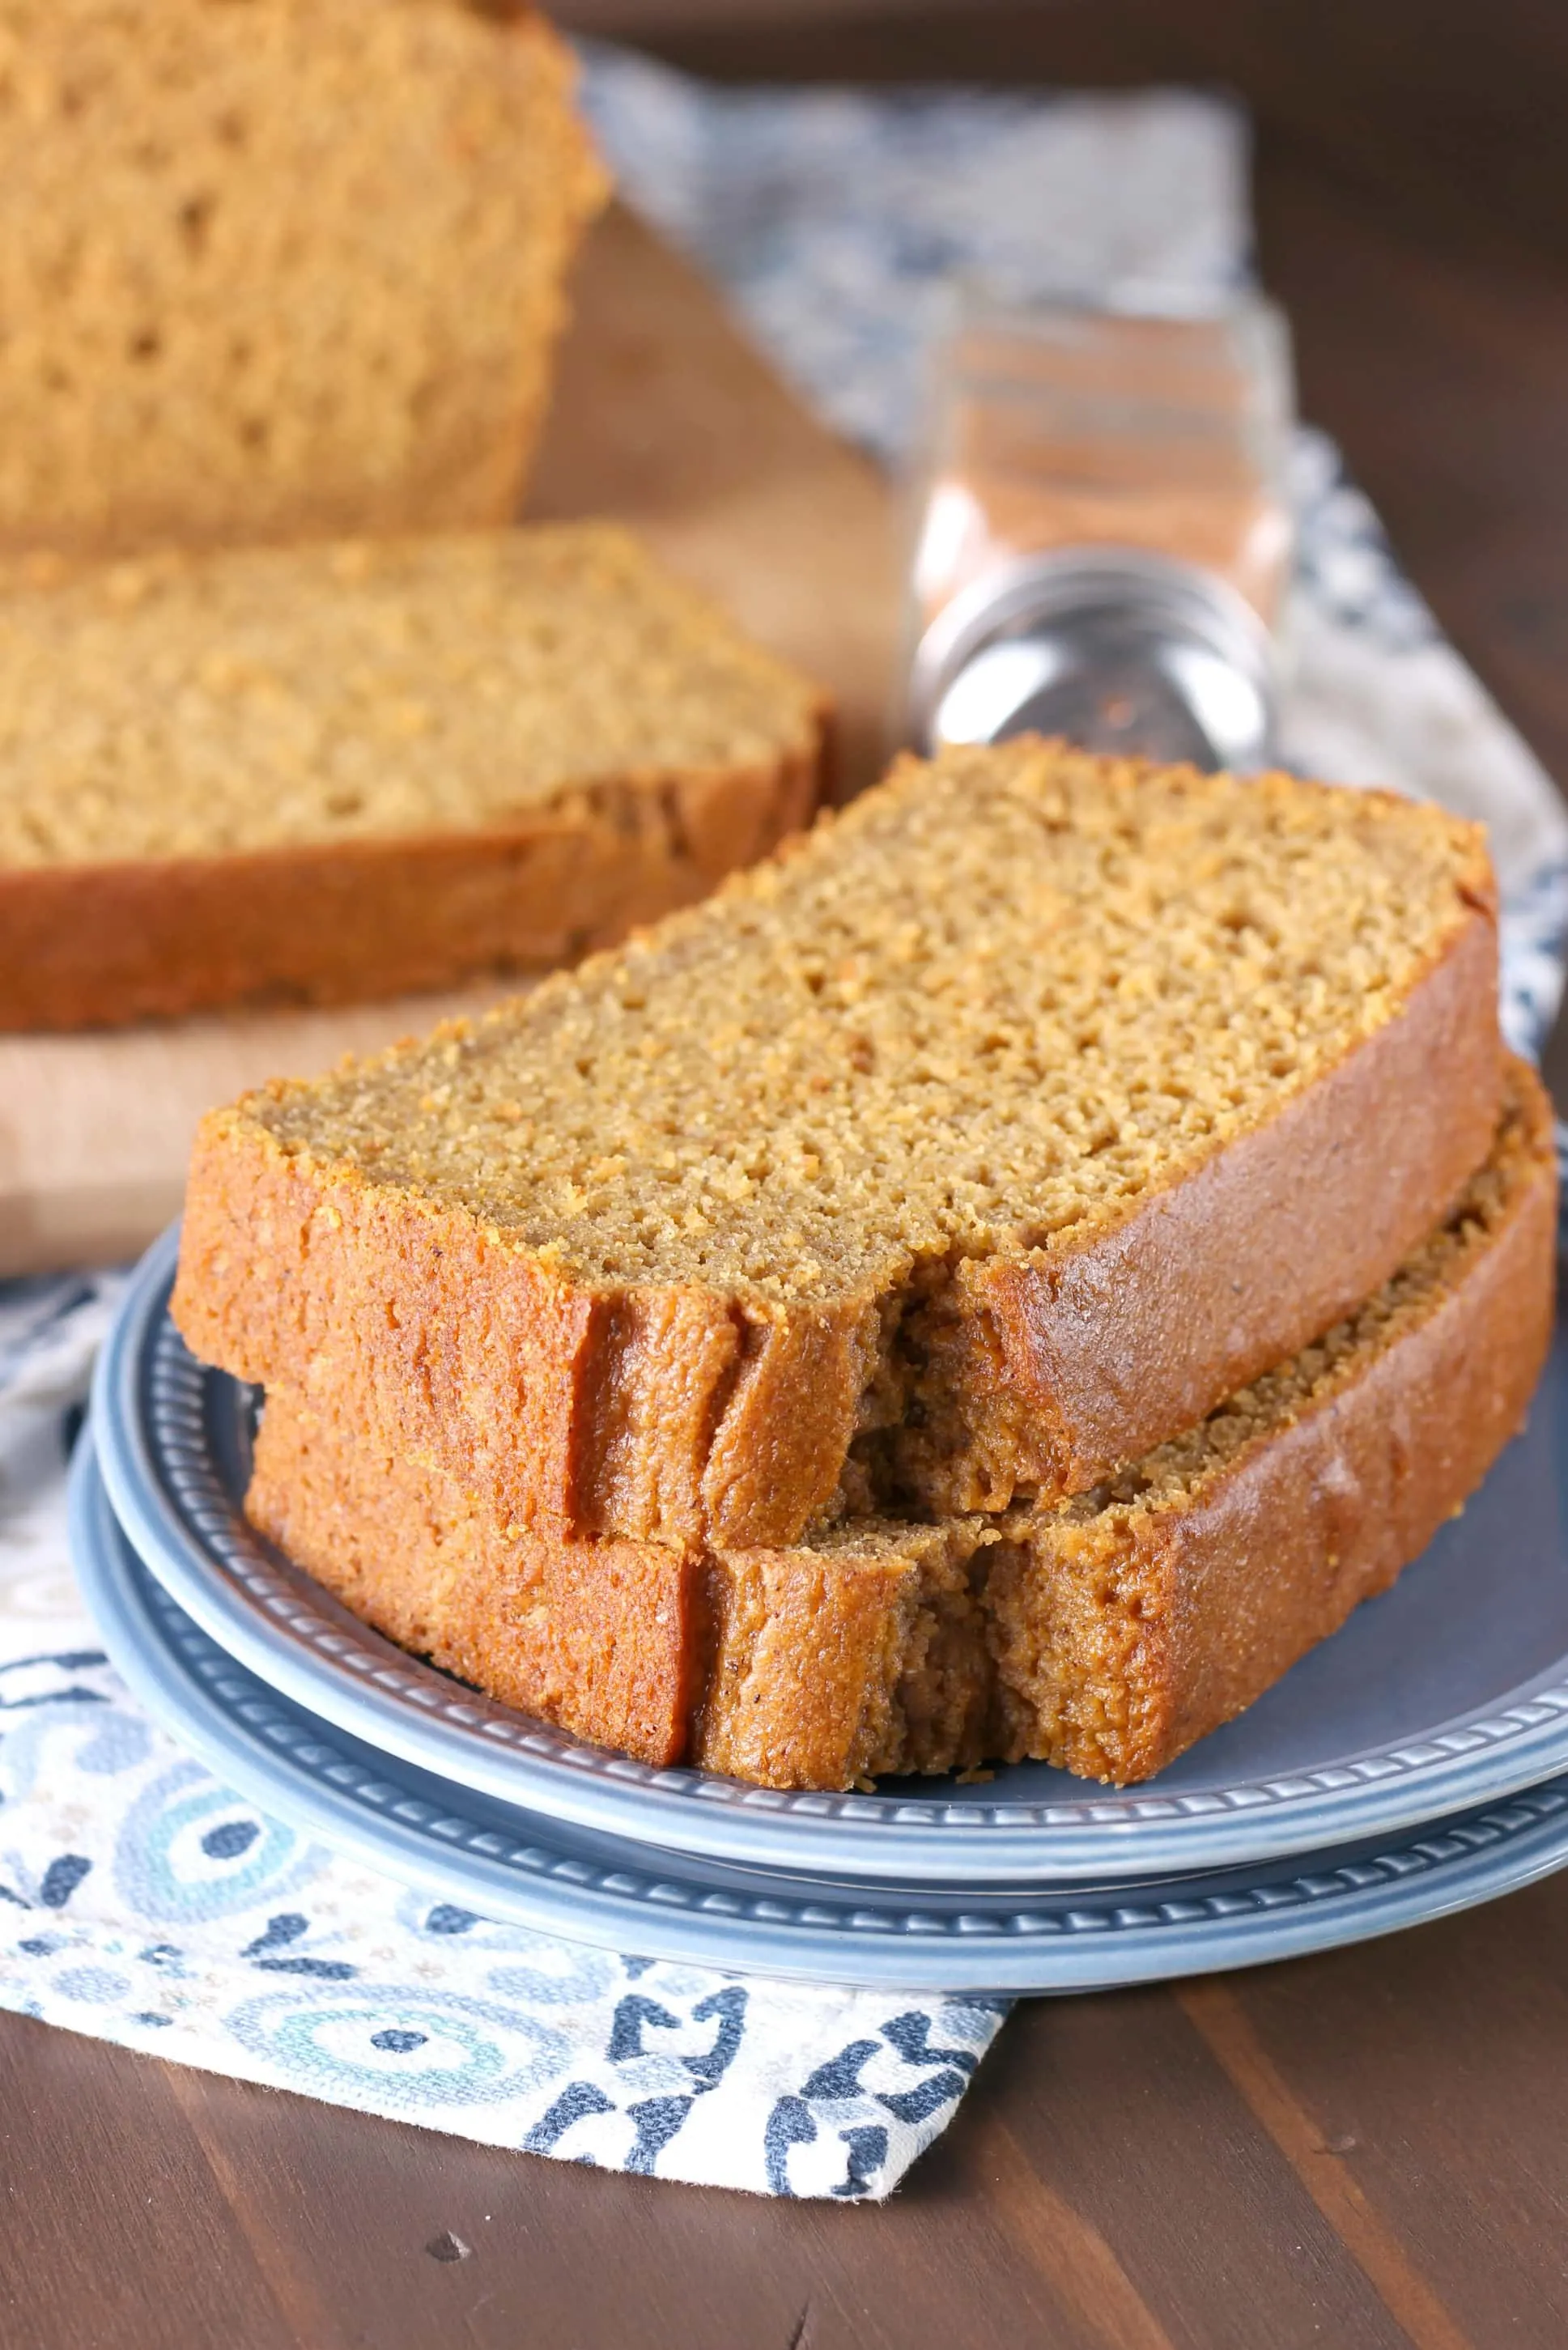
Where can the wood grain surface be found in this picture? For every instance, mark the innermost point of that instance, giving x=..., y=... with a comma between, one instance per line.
x=1361, y=2151
x=665, y=417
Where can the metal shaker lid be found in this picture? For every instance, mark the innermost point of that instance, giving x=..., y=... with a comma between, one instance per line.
x=1117, y=649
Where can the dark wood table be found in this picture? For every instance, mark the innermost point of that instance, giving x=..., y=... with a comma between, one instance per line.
x=1364, y=2149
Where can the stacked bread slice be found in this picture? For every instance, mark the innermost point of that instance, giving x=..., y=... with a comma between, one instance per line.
x=998, y=1280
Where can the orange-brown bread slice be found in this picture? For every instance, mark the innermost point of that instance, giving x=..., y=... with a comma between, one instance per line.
x=291, y=269
x=1105, y=1634
x=978, y=1144
x=337, y=773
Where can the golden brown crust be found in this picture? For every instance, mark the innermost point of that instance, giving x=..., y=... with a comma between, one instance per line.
x=600, y=1639
x=1113, y=1661
x=1050, y=1634
x=355, y=920
x=779, y=1667
x=670, y=1416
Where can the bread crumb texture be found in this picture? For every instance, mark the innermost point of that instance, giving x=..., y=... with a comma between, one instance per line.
x=1012, y=990
x=178, y=707
x=278, y=268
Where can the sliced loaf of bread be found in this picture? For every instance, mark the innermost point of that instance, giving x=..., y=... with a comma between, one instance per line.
x=1106, y=1633
x=293, y=268
x=332, y=773
x=974, y=1146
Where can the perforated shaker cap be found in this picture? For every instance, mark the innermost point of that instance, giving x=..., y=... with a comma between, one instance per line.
x=1114, y=648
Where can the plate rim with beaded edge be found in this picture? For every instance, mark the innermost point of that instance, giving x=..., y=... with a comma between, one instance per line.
x=1449, y=1690
x=557, y=1878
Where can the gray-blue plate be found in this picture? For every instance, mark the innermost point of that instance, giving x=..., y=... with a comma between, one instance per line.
x=1451, y=1691
x=573, y=1882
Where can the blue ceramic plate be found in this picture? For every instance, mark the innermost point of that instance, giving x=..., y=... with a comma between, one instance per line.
x=1449, y=1692
x=570, y=1881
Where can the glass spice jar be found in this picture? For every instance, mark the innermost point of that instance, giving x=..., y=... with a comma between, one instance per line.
x=1103, y=534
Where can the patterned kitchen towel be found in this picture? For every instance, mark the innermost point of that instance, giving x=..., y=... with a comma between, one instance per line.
x=140, y=1900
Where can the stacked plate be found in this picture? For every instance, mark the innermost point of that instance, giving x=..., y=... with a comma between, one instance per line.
x=1413, y=1765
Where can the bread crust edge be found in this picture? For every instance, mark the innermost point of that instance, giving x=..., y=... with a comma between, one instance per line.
x=355, y=921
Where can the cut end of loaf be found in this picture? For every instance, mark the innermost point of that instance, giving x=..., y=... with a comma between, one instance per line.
x=280, y=270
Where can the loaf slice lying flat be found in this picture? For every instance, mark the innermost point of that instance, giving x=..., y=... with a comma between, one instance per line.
x=343, y=773
x=289, y=269
x=1105, y=1634
x=973, y=1148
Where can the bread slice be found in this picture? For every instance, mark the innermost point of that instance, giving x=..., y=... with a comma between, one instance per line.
x=1105, y=1634
x=288, y=269
x=978, y=1145
x=323, y=774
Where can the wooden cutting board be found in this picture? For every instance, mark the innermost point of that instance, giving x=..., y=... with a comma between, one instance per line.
x=664, y=416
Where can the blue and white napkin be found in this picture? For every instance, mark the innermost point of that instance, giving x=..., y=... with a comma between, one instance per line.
x=143, y=1902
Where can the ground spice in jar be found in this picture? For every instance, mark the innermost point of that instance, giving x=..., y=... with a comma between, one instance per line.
x=1051, y=428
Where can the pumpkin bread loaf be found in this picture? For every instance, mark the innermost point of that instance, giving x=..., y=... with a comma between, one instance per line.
x=1105, y=1633
x=290, y=269
x=339, y=773
x=976, y=1145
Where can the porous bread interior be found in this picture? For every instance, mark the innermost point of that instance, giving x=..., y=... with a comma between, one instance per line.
x=1003, y=994
x=176, y=707
x=277, y=267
